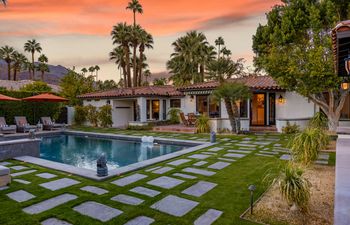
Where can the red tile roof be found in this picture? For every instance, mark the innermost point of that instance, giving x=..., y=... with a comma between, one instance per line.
x=159, y=91
x=254, y=82
x=341, y=27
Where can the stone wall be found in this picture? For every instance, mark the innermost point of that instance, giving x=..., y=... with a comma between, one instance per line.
x=21, y=147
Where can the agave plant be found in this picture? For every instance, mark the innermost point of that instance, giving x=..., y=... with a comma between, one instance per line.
x=202, y=124
x=294, y=186
x=305, y=145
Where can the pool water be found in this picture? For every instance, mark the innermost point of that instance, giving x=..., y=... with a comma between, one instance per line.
x=83, y=151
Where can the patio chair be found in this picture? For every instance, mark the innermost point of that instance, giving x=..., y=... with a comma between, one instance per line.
x=6, y=129
x=49, y=125
x=192, y=118
x=23, y=125
x=184, y=120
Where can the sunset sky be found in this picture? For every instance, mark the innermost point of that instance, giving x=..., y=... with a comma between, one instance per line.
x=77, y=33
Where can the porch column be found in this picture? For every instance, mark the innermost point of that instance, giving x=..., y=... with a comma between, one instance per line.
x=160, y=109
x=267, y=108
x=141, y=101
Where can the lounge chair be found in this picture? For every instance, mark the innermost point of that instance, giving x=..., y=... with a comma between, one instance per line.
x=49, y=125
x=184, y=120
x=192, y=118
x=23, y=125
x=6, y=129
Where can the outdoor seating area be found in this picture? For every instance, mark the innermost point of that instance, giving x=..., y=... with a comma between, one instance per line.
x=191, y=119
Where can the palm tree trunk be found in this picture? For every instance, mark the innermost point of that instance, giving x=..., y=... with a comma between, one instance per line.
x=42, y=75
x=134, y=65
x=140, y=68
x=9, y=71
x=201, y=71
x=231, y=114
x=128, y=65
x=33, y=69
x=134, y=19
x=15, y=74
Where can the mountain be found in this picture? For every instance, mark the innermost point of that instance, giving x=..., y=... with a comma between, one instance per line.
x=53, y=77
x=158, y=75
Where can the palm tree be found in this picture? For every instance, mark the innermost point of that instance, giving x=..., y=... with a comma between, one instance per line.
x=97, y=68
x=160, y=81
x=219, y=42
x=226, y=52
x=91, y=70
x=32, y=46
x=6, y=53
x=19, y=63
x=121, y=34
x=117, y=55
x=43, y=67
x=146, y=41
x=136, y=7
x=4, y=2
x=147, y=74
x=84, y=71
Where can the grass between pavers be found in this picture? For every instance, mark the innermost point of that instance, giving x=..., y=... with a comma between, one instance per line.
x=230, y=196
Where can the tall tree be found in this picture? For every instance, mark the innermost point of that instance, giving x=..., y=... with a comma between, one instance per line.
x=160, y=81
x=91, y=70
x=294, y=47
x=118, y=56
x=84, y=70
x=42, y=66
x=4, y=2
x=135, y=7
x=219, y=42
x=97, y=68
x=19, y=63
x=6, y=53
x=32, y=46
x=225, y=68
x=146, y=41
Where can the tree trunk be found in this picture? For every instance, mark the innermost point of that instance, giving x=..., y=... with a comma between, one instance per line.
x=128, y=65
x=140, y=68
x=201, y=71
x=33, y=69
x=15, y=74
x=9, y=70
x=42, y=75
x=134, y=65
x=230, y=113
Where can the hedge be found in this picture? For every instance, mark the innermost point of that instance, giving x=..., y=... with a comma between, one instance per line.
x=31, y=110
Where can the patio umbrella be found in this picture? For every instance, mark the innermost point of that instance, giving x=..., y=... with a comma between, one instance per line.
x=46, y=97
x=7, y=98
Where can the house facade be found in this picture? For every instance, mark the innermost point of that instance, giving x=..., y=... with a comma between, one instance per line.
x=269, y=108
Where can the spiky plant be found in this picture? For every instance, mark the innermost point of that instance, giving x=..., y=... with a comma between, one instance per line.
x=319, y=120
x=202, y=124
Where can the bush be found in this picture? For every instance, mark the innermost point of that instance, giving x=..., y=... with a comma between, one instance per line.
x=37, y=86
x=305, y=145
x=80, y=115
x=319, y=120
x=92, y=115
x=290, y=129
x=202, y=124
x=294, y=187
x=174, y=115
x=105, y=116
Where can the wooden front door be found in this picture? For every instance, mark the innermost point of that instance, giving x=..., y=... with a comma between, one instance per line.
x=258, y=109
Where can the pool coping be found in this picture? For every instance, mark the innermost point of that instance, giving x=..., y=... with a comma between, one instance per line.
x=91, y=174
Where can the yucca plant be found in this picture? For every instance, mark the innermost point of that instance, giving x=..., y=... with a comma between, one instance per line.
x=319, y=120
x=202, y=124
x=294, y=186
x=306, y=145
x=174, y=115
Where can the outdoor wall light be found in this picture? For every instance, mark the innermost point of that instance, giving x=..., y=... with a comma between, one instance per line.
x=345, y=85
x=251, y=188
x=191, y=98
x=281, y=100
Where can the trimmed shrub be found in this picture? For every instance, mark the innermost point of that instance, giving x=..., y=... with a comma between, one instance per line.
x=92, y=115
x=105, y=116
x=290, y=129
x=202, y=124
x=174, y=115
x=295, y=187
x=80, y=114
x=319, y=120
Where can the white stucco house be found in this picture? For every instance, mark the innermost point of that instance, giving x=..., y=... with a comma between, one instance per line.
x=269, y=108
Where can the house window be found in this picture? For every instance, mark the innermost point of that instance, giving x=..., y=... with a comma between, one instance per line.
x=345, y=112
x=175, y=103
x=206, y=105
x=153, y=109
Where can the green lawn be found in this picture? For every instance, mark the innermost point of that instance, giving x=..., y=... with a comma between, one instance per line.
x=230, y=195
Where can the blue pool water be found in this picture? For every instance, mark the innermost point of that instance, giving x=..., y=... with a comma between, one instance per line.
x=83, y=151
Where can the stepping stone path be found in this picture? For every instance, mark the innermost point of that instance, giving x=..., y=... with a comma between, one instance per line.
x=247, y=149
x=20, y=196
x=5, y=163
x=46, y=175
x=59, y=184
x=216, y=149
x=234, y=155
x=145, y=191
x=219, y=165
x=230, y=160
x=209, y=153
x=174, y=205
x=323, y=156
x=208, y=218
x=163, y=170
x=239, y=151
x=321, y=162
x=286, y=157
x=54, y=221
x=165, y=182
x=199, y=156
x=179, y=162
x=129, y=179
x=21, y=181
x=266, y=155
x=184, y=176
x=94, y=190
x=127, y=199
x=262, y=143
x=22, y=173
x=200, y=163
x=198, y=171
x=246, y=145
x=269, y=153
x=97, y=211
x=4, y=188
x=49, y=204
x=154, y=168
x=199, y=188
x=141, y=220
x=18, y=167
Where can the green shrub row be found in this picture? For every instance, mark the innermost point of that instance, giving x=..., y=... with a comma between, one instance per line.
x=101, y=116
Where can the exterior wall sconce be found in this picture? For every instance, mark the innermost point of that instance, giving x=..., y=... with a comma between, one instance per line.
x=191, y=98
x=281, y=100
x=345, y=85
x=108, y=102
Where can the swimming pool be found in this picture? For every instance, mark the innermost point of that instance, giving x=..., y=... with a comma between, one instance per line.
x=82, y=151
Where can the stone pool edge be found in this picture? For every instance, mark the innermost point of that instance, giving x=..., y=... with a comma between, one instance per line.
x=90, y=174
